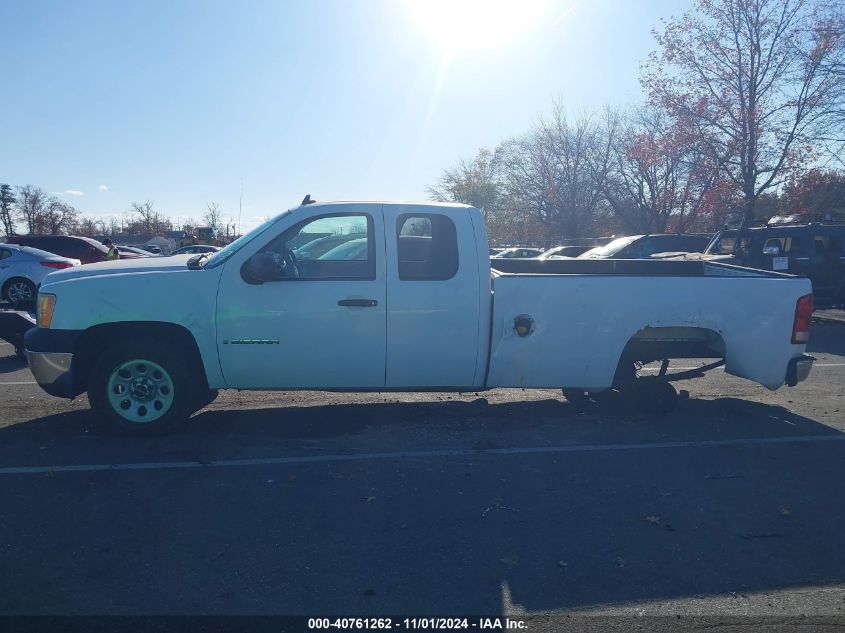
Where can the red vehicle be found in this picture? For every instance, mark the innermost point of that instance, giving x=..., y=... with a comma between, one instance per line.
x=84, y=249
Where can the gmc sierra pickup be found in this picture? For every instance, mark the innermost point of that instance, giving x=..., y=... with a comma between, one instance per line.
x=398, y=297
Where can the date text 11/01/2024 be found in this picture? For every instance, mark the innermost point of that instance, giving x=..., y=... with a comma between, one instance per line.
x=479, y=623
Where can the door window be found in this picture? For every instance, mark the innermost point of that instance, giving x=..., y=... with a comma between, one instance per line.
x=427, y=246
x=791, y=245
x=339, y=246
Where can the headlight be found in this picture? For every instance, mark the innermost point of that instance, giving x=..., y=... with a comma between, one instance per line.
x=46, y=305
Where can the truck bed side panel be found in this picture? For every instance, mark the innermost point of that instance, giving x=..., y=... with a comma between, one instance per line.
x=583, y=322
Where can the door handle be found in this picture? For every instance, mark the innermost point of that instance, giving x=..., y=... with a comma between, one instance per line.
x=358, y=303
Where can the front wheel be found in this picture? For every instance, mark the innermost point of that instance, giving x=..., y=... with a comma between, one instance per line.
x=19, y=290
x=142, y=387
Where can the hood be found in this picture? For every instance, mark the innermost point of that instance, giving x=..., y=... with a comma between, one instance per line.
x=122, y=266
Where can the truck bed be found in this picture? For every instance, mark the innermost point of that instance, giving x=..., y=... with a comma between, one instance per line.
x=584, y=313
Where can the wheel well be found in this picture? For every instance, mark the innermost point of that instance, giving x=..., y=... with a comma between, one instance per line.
x=657, y=343
x=99, y=337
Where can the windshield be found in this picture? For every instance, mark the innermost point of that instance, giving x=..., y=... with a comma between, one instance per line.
x=608, y=250
x=220, y=257
x=724, y=243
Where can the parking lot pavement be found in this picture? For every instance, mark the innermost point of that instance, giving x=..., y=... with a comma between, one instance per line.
x=507, y=501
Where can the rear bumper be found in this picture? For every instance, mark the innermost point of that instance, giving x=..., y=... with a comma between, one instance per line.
x=798, y=369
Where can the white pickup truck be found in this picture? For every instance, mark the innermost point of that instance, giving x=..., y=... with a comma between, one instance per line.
x=398, y=297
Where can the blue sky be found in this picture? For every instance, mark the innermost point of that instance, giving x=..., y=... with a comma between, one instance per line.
x=175, y=101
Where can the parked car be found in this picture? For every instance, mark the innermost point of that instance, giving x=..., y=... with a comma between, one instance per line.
x=564, y=252
x=85, y=249
x=195, y=249
x=130, y=252
x=813, y=250
x=22, y=269
x=644, y=246
x=150, y=249
x=518, y=252
x=406, y=313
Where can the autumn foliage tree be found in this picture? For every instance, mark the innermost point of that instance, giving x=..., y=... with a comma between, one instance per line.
x=659, y=179
x=749, y=77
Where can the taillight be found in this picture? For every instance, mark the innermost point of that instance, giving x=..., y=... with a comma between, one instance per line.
x=57, y=264
x=801, y=325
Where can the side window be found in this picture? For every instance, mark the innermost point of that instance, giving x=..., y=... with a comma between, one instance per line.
x=339, y=246
x=790, y=245
x=75, y=248
x=427, y=246
x=834, y=244
x=51, y=245
x=641, y=248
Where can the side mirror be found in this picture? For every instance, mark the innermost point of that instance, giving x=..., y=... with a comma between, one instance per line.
x=259, y=268
x=772, y=247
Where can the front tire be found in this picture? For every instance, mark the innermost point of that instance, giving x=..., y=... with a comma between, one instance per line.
x=142, y=387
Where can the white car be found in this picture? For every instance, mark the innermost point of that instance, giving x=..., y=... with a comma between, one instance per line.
x=22, y=269
x=415, y=304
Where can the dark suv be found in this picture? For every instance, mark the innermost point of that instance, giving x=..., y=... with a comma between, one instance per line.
x=812, y=250
x=84, y=249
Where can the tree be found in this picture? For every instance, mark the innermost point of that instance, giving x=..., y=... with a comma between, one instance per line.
x=7, y=209
x=748, y=77
x=59, y=217
x=659, y=177
x=213, y=216
x=32, y=207
x=147, y=221
x=475, y=182
x=555, y=173
x=88, y=227
x=816, y=192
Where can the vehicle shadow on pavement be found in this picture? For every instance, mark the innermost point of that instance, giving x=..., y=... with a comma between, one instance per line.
x=9, y=364
x=423, y=535
x=543, y=420
x=829, y=339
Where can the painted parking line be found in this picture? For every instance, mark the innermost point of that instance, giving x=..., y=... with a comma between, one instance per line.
x=411, y=455
x=22, y=382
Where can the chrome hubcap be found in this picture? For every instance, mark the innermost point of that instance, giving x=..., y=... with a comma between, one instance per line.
x=140, y=391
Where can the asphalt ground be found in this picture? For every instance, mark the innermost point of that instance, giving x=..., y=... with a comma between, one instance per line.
x=509, y=502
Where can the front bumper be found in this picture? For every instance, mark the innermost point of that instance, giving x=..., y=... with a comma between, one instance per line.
x=50, y=357
x=52, y=371
x=798, y=369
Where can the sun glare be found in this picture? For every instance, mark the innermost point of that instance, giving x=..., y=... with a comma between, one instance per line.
x=463, y=25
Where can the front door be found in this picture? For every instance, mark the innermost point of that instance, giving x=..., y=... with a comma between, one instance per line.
x=320, y=324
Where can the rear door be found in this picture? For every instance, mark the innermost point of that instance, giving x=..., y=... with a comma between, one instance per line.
x=433, y=301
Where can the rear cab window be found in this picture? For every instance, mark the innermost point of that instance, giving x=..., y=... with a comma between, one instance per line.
x=427, y=247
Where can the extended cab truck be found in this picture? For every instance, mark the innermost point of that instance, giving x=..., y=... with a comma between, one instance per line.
x=409, y=304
